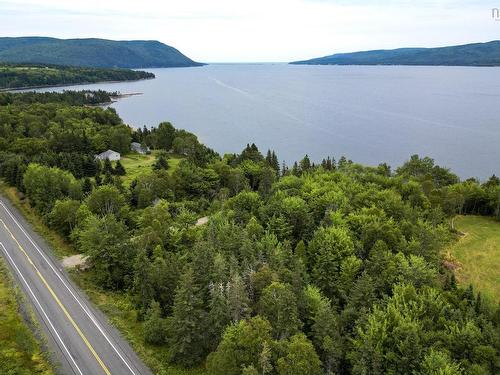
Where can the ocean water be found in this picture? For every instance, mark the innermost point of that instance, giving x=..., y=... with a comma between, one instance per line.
x=370, y=114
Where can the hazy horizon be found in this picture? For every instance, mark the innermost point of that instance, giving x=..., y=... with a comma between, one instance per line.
x=225, y=31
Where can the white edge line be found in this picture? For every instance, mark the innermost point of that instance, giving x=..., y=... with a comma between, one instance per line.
x=41, y=308
x=90, y=315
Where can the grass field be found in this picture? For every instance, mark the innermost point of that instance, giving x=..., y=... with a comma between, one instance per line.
x=136, y=164
x=20, y=352
x=478, y=252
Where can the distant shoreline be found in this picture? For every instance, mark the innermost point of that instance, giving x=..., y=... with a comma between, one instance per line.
x=72, y=84
x=397, y=65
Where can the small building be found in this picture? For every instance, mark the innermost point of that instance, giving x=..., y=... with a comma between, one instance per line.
x=140, y=149
x=110, y=155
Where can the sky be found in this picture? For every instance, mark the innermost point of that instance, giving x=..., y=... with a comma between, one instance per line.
x=259, y=30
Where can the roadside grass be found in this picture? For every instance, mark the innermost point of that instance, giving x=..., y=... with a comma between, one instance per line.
x=137, y=164
x=20, y=351
x=121, y=313
x=478, y=252
x=117, y=307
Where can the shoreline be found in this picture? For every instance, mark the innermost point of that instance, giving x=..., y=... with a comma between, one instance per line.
x=118, y=97
x=69, y=84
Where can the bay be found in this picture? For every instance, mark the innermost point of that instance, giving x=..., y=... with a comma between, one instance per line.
x=370, y=114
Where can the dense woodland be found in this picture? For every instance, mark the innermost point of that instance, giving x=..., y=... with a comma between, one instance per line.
x=474, y=54
x=333, y=268
x=92, y=52
x=34, y=75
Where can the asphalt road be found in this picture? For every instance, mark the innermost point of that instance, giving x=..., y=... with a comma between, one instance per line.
x=78, y=334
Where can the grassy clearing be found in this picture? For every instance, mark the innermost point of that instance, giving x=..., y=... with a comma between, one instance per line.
x=478, y=252
x=20, y=352
x=137, y=164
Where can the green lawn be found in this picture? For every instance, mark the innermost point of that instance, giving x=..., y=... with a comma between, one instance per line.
x=136, y=164
x=478, y=252
x=20, y=352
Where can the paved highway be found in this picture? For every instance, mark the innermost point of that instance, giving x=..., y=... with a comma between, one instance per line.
x=82, y=340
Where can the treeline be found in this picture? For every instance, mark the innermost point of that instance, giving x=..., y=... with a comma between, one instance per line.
x=57, y=130
x=310, y=269
x=34, y=75
x=51, y=129
x=84, y=97
x=166, y=137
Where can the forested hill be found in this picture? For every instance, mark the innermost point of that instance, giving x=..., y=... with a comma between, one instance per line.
x=92, y=52
x=478, y=54
x=38, y=75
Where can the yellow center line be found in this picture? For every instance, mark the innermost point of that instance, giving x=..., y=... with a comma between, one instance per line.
x=87, y=343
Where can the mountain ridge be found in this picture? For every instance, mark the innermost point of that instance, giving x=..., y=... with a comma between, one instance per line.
x=472, y=54
x=92, y=52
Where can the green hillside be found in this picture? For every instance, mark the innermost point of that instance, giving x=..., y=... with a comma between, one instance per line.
x=99, y=53
x=477, y=54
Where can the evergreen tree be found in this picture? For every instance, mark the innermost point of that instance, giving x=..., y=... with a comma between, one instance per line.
x=239, y=302
x=142, y=285
x=87, y=186
x=134, y=199
x=334, y=164
x=154, y=325
x=275, y=164
x=301, y=252
x=186, y=326
x=98, y=179
x=119, y=169
x=107, y=167
x=305, y=164
x=269, y=157
x=326, y=337
x=108, y=179
x=329, y=165
x=265, y=358
x=219, y=316
x=478, y=304
x=278, y=304
x=284, y=169
x=161, y=162
x=342, y=163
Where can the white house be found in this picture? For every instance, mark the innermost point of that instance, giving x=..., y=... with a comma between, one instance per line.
x=110, y=155
x=140, y=149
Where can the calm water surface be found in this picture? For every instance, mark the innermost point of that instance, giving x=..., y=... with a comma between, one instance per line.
x=369, y=114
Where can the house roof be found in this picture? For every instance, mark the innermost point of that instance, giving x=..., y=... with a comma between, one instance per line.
x=108, y=153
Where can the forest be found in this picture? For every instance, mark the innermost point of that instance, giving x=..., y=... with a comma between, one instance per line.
x=328, y=268
x=14, y=76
